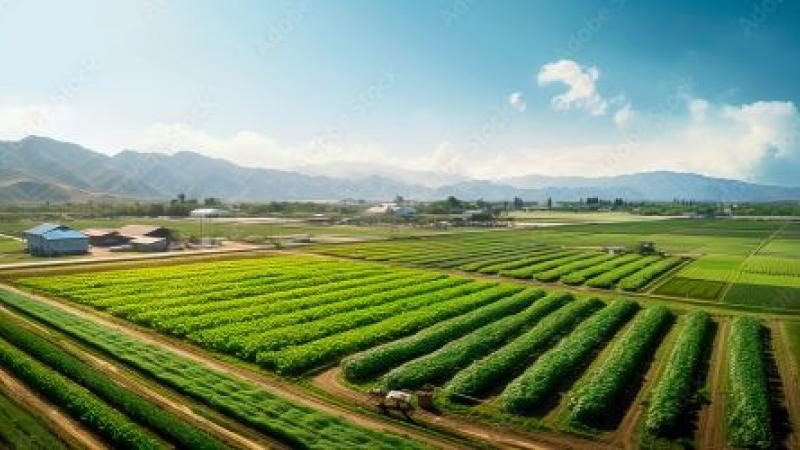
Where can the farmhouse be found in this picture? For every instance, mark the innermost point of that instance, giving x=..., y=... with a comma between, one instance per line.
x=50, y=239
x=103, y=237
x=153, y=231
x=149, y=244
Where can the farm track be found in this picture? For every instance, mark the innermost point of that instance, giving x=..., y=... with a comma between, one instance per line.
x=286, y=390
x=63, y=426
x=711, y=423
x=790, y=379
x=494, y=435
x=128, y=381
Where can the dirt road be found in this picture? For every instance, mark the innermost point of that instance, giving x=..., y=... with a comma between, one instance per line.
x=286, y=390
x=790, y=379
x=63, y=426
x=711, y=429
x=494, y=435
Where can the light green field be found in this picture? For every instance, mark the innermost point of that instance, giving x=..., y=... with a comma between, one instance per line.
x=12, y=251
x=580, y=217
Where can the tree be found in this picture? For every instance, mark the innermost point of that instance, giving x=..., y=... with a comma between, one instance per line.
x=518, y=203
x=549, y=203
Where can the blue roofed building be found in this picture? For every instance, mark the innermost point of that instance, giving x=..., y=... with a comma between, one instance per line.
x=50, y=239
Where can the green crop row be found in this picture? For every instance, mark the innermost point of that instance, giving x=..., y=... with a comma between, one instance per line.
x=443, y=363
x=301, y=358
x=671, y=393
x=313, y=303
x=556, y=272
x=183, y=320
x=639, y=279
x=378, y=360
x=139, y=409
x=497, y=368
x=516, y=263
x=549, y=372
x=607, y=279
x=527, y=272
x=313, y=323
x=605, y=384
x=295, y=425
x=580, y=276
x=278, y=338
x=79, y=403
x=747, y=406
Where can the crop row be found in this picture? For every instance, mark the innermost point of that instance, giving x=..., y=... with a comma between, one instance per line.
x=606, y=383
x=549, y=372
x=139, y=409
x=301, y=358
x=375, y=361
x=527, y=272
x=580, y=276
x=639, y=279
x=497, y=368
x=293, y=424
x=441, y=364
x=607, y=279
x=671, y=394
x=278, y=338
x=748, y=405
x=556, y=272
x=76, y=401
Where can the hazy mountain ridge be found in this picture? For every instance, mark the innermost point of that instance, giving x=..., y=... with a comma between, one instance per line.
x=37, y=169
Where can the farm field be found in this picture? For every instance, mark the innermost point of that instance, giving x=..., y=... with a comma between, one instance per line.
x=506, y=255
x=495, y=351
x=240, y=230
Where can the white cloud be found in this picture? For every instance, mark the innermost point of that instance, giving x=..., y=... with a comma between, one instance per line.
x=625, y=116
x=18, y=121
x=698, y=108
x=581, y=82
x=516, y=101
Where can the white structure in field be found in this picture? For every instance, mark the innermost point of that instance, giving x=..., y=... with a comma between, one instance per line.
x=391, y=208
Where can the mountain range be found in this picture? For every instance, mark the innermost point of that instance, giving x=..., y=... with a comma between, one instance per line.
x=39, y=169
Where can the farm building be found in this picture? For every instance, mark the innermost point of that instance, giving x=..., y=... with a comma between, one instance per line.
x=50, y=239
x=149, y=244
x=153, y=231
x=391, y=208
x=102, y=237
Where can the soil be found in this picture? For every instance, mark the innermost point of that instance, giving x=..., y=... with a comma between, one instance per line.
x=790, y=381
x=494, y=435
x=711, y=429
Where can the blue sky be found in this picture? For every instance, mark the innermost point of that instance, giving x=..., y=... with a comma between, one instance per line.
x=489, y=89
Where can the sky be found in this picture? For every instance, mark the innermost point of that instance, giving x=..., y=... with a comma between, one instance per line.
x=488, y=89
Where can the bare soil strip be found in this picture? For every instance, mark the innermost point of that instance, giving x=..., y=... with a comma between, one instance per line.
x=63, y=426
x=790, y=379
x=625, y=435
x=497, y=436
x=288, y=391
x=711, y=424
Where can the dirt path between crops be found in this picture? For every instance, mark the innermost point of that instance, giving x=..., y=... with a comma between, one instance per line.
x=790, y=379
x=64, y=426
x=624, y=435
x=285, y=390
x=494, y=435
x=710, y=428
